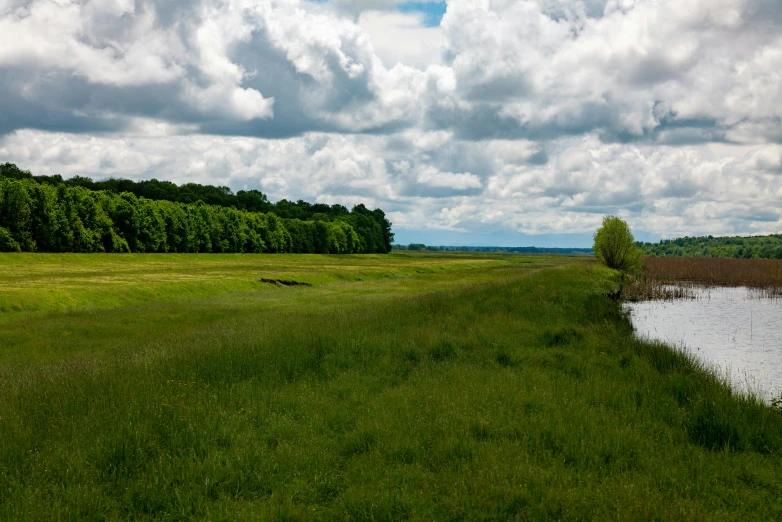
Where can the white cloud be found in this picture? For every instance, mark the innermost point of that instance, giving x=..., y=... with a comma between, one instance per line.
x=531, y=116
x=435, y=178
x=59, y=35
x=356, y=7
x=402, y=38
x=633, y=70
x=683, y=190
x=220, y=64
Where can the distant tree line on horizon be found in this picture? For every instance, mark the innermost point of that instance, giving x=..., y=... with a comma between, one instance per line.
x=758, y=247
x=52, y=214
x=506, y=250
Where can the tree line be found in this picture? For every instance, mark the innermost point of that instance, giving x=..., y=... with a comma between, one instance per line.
x=50, y=214
x=758, y=247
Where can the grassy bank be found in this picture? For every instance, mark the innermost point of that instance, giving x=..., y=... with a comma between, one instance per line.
x=406, y=386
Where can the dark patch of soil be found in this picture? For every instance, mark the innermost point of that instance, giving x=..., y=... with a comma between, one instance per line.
x=283, y=282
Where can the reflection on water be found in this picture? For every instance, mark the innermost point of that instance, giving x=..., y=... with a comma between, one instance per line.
x=731, y=329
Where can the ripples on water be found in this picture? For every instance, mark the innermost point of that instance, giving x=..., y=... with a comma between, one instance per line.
x=734, y=330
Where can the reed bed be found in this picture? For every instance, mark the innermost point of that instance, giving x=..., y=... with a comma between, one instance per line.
x=674, y=277
x=753, y=273
x=646, y=289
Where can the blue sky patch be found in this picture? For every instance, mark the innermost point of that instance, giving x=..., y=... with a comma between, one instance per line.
x=433, y=11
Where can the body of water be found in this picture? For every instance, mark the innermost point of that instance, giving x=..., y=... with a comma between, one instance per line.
x=733, y=330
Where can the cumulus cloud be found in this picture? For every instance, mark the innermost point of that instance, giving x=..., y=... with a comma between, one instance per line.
x=229, y=67
x=436, y=178
x=661, y=190
x=521, y=116
x=402, y=38
x=658, y=70
x=628, y=70
x=356, y=7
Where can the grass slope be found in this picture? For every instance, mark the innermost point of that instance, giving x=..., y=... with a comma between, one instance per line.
x=404, y=387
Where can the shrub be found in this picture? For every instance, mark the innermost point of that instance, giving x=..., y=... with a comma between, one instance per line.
x=615, y=246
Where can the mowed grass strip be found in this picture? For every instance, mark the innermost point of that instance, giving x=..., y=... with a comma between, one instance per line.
x=82, y=317
x=519, y=395
x=57, y=282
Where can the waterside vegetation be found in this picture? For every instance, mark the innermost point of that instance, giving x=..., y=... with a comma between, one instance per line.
x=615, y=246
x=673, y=277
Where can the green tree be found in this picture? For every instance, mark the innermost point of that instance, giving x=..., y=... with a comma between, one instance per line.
x=8, y=243
x=615, y=246
x=16, y=213
x=46, y=218
x=49, y=214
x=9, y=170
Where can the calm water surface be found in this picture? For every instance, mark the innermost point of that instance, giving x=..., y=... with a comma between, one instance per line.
x=731, y=329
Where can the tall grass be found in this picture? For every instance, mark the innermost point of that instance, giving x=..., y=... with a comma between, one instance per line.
x=765, y=274
x=518, y=394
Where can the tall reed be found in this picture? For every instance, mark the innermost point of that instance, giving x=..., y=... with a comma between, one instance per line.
x=673, y=277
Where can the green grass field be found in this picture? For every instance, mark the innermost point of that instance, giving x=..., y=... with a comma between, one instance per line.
x=420, y=387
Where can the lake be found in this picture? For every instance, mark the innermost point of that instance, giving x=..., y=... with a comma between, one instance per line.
x=733, y=330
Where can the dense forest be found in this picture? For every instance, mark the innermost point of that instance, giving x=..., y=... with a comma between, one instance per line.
x=505, y=250
x=762, y=247
x=52, y=214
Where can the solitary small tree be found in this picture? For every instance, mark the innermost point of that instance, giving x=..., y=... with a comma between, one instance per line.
x=615, y=246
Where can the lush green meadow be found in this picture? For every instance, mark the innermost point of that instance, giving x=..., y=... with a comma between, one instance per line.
x=404, y=386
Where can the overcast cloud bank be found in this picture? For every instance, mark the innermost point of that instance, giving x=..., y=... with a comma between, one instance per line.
x=515, y=117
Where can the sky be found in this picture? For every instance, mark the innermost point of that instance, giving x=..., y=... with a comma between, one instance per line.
x=471, y=122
